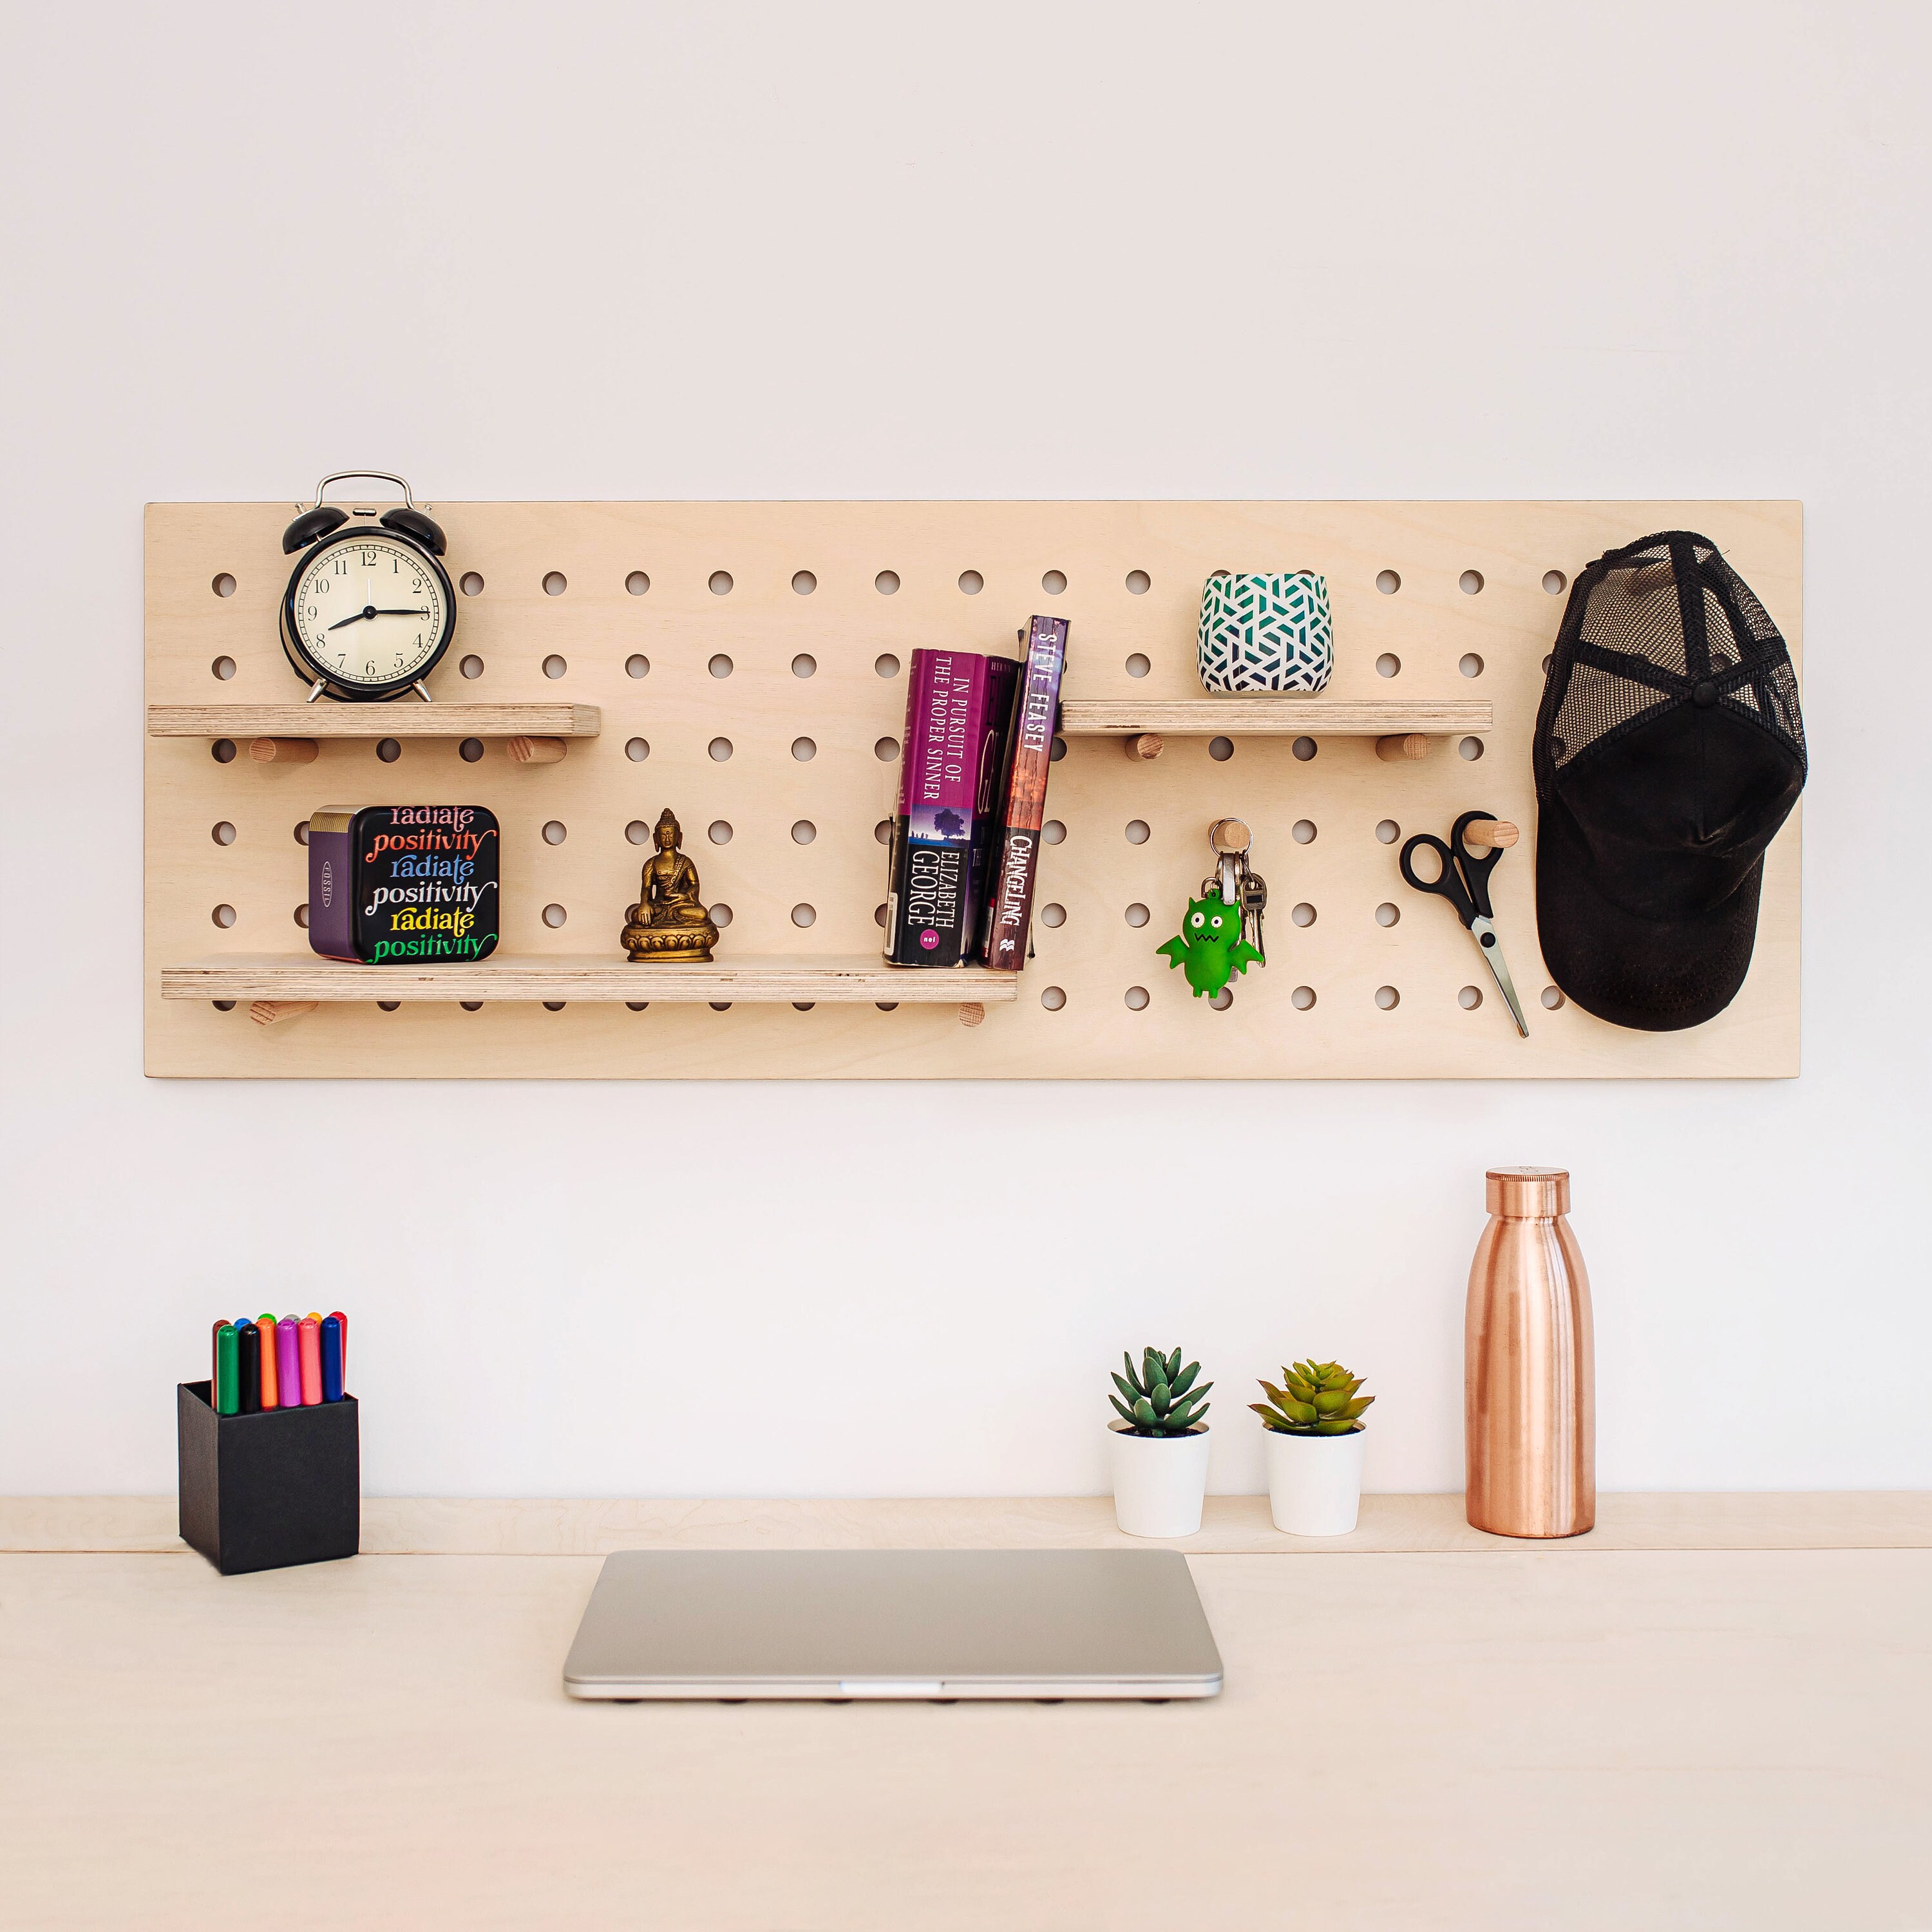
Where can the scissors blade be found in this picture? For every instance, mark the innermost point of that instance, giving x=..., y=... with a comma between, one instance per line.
x=1484, y=933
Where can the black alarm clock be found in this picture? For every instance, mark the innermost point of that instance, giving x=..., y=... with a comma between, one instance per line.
x=369, y=612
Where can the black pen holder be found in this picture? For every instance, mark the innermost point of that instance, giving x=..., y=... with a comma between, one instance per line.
x=261, y=1491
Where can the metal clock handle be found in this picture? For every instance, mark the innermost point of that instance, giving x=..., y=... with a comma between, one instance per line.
x=367, y=476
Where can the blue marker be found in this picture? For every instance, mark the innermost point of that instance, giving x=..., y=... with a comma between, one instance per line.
x=331, y=1358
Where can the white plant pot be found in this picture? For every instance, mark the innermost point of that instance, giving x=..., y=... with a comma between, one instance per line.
x=1158, y=1481
x=1314, y=1482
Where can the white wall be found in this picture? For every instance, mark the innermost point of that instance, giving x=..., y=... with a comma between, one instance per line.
x=850, y=251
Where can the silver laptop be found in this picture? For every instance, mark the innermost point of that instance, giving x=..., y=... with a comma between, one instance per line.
x=940, y=1624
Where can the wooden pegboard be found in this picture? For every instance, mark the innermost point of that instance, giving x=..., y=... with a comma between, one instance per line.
x=596, y=625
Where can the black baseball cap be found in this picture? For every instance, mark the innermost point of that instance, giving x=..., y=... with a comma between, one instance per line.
x=1670, y=748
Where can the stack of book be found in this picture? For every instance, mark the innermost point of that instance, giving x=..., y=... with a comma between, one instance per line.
x=965, y=847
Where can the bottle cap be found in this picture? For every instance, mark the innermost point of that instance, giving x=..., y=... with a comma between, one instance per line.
x=1524, y=1193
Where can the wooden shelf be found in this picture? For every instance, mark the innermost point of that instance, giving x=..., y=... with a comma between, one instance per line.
x=1271, y=716
x=596, y=977
x=404, y=719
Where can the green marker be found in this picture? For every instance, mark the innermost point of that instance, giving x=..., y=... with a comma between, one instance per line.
x=227, y=1371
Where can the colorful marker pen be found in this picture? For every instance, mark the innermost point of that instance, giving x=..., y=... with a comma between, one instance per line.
x=331, y=1358
x=266, y=1324
x=288, y=1364
x=248, y=1364
x=215, y=1329
x=344, y=1320
x=310, y=1333
x=225, y=1375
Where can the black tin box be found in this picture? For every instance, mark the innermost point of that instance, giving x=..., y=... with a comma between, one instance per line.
x=261, y=1491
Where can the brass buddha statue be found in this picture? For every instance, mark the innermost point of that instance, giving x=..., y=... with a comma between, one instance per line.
x=668, y=922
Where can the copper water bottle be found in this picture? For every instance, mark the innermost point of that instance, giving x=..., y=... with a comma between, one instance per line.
x=1528, y=1374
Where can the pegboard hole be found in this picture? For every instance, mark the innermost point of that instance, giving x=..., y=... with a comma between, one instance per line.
x=222, y=1005
x=1469, y=998
x=1470, y=582
x=720, y=1006
x=1387, y=913
x=886, y=750
x=222, y=751
x=1053, y=915
x=637, y=665
x=554, y=916
x=555, y=584
x=1221, y=1000
x=720, y=749
x=553, y=1006
x=886, y=1005
x=1553, y=999
x=971, y=582
x=721, y=916
x=1138, y=915
x=301, y=833
x=636, y=1006
x=803, y=915
x=637, y=583
x=472, y=666
x=719, y=832
x=1054, y=582
x=638, y=832
x=224, y=586
x=882, y=831
x=1470, y=665
x=470, y=584
x=1470, y=748
x=1549, y=659
x=471, y=1006
x=555, y=666
x=1388, y=832
x=720, y=583
x=804, y=665
x=1387, y=998
x=1057, y=750
x=389, y=1006
x=804, y=583
x=1053, y=999
x=803, y=1006
x=1221, y=749
x=1304, y=914
x=886, y=664
x=223, y=834
x=1555, y=582
x=1138, y=584
x=878, y=916
x=1388, y=582
x=556, y=832
x=301, y=916
x=1304, y=749
x=804, y=750
x=223, y=915
x=1302, y=998
x=1138, y=833
x=389, y=750
x=720, y=665
x=804, y=832
x=224, y=668
x=1388, y=665
x=471, y=749
x=637, y=750
x=1136, y=999
x=1052, y=832
x=885, y=583
x=1304, y=832
x=1139, y=664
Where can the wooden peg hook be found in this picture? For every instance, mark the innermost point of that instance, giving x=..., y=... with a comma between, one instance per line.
x=284, y=751
x=1407, y=747
x=539, y=751
x=272, y=1012
x=1145, y=746
x=1498, y=832
x=971, y=1013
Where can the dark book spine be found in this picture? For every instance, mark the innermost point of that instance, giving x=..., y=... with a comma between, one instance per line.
x=928, y=921
x=1023, y=797
x=1002, y=680
x=331, y=894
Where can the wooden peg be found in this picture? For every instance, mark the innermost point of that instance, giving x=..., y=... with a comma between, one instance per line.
x=1498, y=832
x=539, y=751
x=1411, y=745
x=1229, y=835
x=284, y=751
x=272, y=1012
x=971, y=1013
x=1146, y=746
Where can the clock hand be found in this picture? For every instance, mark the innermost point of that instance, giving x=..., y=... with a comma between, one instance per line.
x=367, y=610
x=399, y=614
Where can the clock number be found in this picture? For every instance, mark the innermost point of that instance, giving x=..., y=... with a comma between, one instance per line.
x=342, y=566
x=369, y=557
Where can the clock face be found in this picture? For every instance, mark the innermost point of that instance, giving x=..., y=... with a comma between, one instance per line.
x=370, y=609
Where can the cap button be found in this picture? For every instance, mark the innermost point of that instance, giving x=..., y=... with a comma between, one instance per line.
x=1705, y=695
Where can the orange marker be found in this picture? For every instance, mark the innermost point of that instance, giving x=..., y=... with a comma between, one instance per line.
x=266, y=1324
x=309, y=1335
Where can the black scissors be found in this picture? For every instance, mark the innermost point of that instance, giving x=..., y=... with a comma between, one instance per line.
x=1464, y=881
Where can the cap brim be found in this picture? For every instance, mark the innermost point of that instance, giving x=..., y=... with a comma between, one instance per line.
x=1656, y=974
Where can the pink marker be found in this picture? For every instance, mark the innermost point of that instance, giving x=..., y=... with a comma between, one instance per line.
x=309, y=1331
x=288, y=1361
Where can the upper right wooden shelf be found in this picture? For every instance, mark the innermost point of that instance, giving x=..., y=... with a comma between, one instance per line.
x=1263, y=713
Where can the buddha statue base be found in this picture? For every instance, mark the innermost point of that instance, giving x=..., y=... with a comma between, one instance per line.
x=691, y=944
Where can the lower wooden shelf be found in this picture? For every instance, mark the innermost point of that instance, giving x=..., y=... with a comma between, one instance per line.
x=293, y=978
x=404, y=719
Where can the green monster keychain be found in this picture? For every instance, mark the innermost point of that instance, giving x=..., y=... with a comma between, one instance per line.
x=1212, y=945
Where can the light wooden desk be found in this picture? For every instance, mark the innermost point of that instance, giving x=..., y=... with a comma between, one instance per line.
x=1591, y=1735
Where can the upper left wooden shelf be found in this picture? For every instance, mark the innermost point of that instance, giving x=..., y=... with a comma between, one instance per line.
x=374, y=720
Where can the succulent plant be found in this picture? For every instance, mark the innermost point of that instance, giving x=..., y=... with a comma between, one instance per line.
x=1316, y=1398
x=1162, y=1400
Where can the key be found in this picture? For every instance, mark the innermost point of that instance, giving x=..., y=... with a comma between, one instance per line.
x=1254, y=904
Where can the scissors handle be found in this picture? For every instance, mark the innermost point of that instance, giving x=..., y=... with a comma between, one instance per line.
x=1475, y=870
x=1448, y=883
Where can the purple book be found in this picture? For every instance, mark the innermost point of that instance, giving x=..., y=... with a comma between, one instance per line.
x=332, y=887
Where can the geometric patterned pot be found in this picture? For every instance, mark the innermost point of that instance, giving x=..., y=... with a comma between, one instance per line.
x=1266, y=630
